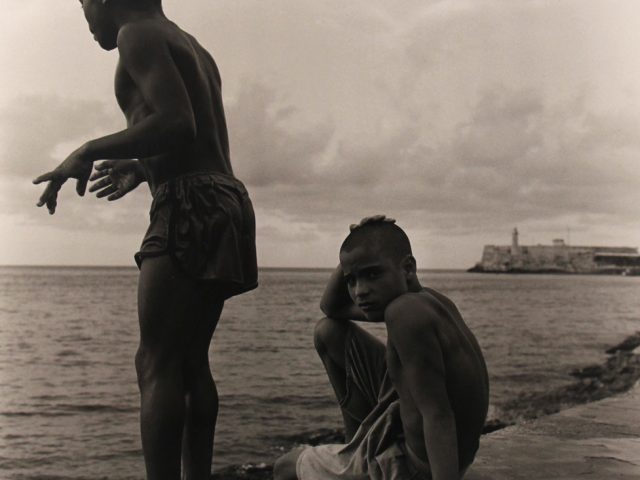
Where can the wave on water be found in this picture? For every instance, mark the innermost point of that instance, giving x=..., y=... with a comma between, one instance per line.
x=61, y=410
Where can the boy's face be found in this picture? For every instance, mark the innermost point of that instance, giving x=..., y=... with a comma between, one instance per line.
x=97, y=13
x=374, y=279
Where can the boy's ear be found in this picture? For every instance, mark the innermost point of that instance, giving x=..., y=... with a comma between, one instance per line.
x=409, y=265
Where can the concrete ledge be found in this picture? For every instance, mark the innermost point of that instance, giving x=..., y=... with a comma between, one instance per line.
x=599, y=440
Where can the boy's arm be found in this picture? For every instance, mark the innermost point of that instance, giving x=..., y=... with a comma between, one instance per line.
x=147, y=59
x=421, y=356
x=145, y=56
x=336, y=302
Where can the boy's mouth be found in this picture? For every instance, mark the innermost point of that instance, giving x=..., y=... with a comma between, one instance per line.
x=367, y=306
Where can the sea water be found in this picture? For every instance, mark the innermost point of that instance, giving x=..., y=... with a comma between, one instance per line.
x=68, y=395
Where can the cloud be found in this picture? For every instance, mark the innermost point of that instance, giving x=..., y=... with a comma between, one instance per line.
x=268, y=147
x=32, y=127
x=516, y=157
x=37, y=133
x=461, y=119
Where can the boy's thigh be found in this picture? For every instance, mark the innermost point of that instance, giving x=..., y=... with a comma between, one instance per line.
x=169, y=304
x=365, y=363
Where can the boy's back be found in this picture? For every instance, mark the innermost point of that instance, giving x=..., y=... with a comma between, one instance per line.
x=427, y=338
x=176, y=54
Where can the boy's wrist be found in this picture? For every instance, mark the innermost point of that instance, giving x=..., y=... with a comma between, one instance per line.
x=85, y=153
x=140, y=172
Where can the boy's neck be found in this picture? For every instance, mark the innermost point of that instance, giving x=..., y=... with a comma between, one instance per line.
x=124, y=15
x=414, y=285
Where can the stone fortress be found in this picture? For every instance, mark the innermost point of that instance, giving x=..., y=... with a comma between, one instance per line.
x=558, y=258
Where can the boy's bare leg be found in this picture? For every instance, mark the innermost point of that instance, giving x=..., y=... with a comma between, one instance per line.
x=201, y=395
x=330, y=338
x=285, y=466
x=170, y=306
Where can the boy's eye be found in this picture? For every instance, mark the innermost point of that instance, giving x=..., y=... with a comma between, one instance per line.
x=351, y=281
x=373, y=274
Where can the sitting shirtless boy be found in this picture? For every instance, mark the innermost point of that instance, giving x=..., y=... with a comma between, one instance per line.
x=413, y=409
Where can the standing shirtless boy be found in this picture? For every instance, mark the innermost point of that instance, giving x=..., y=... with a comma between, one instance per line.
x=200, y=246
x=413, y=409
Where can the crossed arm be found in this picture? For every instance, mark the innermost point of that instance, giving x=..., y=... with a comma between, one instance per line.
x=336, y=302
x=146, y=58
x=412, y=332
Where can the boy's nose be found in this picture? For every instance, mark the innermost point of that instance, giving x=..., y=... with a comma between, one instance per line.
x=362, y=289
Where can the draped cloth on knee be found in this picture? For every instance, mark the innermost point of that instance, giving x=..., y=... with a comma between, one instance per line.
x=377, y=450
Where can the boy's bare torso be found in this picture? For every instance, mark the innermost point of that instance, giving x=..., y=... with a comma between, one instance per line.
x=466, y=380
x=209, y=152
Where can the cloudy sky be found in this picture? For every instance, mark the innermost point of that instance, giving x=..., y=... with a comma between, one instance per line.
x=460, y=118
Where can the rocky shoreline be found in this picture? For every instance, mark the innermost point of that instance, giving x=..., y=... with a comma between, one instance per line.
x=619, y=372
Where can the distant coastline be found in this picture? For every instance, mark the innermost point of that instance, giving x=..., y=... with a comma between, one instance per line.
x=558, y=258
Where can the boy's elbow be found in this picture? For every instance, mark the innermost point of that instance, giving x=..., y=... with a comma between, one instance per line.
x=324, y=308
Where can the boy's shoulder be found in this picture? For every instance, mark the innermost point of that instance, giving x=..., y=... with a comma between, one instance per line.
x=146, y=31
x=419, y=310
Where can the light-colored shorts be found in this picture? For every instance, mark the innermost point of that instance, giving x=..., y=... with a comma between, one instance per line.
x=377, y=450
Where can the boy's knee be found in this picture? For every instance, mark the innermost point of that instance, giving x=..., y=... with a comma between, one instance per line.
x=150, y=364
x=141, y=361
x=285, y=466
x=195, y=369
x=329, y=333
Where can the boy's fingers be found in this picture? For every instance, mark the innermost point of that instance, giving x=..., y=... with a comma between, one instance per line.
x=107, y=191
x=101, y=184
x=81, y=186
x=44, y=177
x=99, y=174
x=115, y=196
x=52, y=202
x=104, y=165
x=44, y=198
x=50, y=193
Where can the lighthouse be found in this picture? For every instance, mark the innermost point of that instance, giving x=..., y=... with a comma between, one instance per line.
x=514, y=242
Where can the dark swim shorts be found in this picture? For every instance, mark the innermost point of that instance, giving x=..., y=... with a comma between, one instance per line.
x=205, y=222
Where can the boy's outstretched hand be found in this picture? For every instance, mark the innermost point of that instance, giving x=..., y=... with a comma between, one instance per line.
x=74, y=166
x=114, y=179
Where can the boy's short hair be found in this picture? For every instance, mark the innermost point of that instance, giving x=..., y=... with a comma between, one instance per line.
x=142, y=2
x=387, y=236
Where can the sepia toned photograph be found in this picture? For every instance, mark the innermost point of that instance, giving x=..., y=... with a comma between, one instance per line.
x=320, y=240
